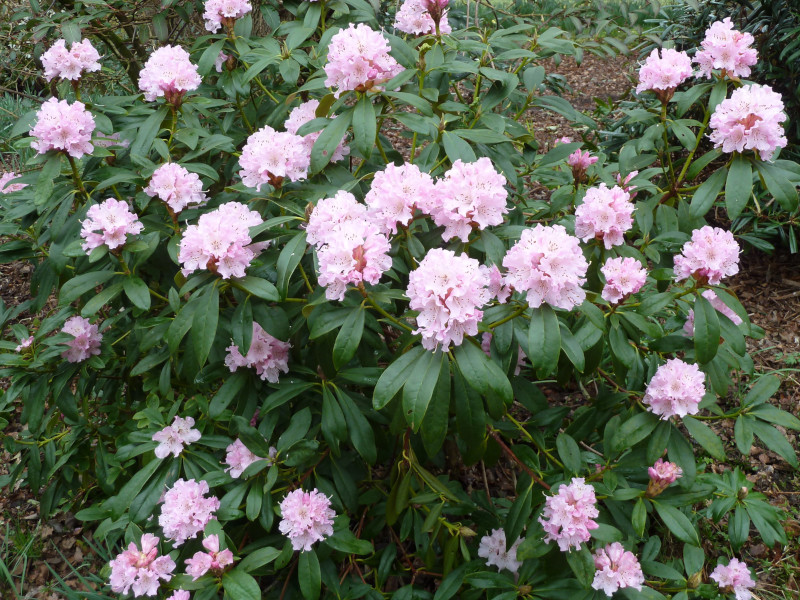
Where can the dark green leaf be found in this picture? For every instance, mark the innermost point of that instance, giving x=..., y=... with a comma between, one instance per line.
x=705, y=437
x=137, y=291
x=240, y=585
x=706, y=330
x=394, y=377
x=348, y=338
x=364, y=126
x=308, y=575
x=678, y=523
x=544, y=339
x=738, y=186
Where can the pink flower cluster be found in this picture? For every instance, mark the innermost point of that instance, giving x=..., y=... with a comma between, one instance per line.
x=664, y=73
x=396, y=192
x=549, y=265
x=300, y=115
x=359, y=59
x=449, y=292
x=219, y=12
x=330, y=213
x=579, y=161
x=168, y=73
x=69, y=64
x=63, y=126
x=186, y=510
x=173, y=438
x=414, y=18
x=220, y=242
x=710, y=255
x=688, y=327
x=176, y=186
x=140, y=569
x=268, y=355
x=616, y=569
x=6, y=187
x=214, y=559
x=749, y=120
x=307, y=517
x=734, y=577
x=726, y=49
x=568, y=515
x=662, y=475
x=675, y=390
x=624, y=276
x=271, y=156
x=469, y=196
x=606, y=214
x=108, y=223
x=493, y=549
x=86, y=340
x=238, y=457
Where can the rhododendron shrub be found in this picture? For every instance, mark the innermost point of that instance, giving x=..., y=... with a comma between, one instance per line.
x=331, y=270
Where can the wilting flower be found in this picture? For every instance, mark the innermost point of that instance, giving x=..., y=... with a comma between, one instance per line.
x=86, y=340
x=69, y=64
x=675, y=390
x=710, y=255
x=307, y=517
x=662, y=475
x=616, y=569
x=734, y=577
x=493, y=549
x=176, y=186
x=186, y=510
x=109, y=223
x=168, y=73
x=214, y=559
x=173, y=438
x=271, y=156
x=568, y=515
x=219, y=12
x=140, y=569
x=606, y=214
x=359, y=59
x=624, y=276
x=63, y=126
x=267, y=355
x=726, y=49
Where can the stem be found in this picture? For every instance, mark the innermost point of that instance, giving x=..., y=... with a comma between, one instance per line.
x=76, y=178
x=696, y=146
x=666, y=145
x=513, y=315
x=387, y=315
x=515, y=458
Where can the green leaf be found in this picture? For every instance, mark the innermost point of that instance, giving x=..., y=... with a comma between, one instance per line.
x=743, y=433
x=329, y=139
x=204, y=324
x=137, y=291
x=544, y=339
x=569, y=452
x=434, y=426
x=97, y=302
x=518, y=516
x=289, y=258
x=762, y=390
x=775, y=441
x=779, y=185
x=334, y=427
x=365, y=126
x=343, y=540
x=634, y=430
x=226, y=393
x=261, y=288
x=148, y=132
x=639, y=517
x=258, y=558
x=678, y=523
x=209, y=57
x=240, y=585
x=451, y=584
x=685, y=135
x=620, y=346
x=308, y=575
x=582, y=565
x=348, y=338
x=483, y=375
x=572, y=349
x=119, y=504
x=705, y=437
x=418, y=390
x=773, y=414
x=738, y=186
x=704, y=197
x=44, y=184
x=693, y=559
x=456, y=148
x=738, y=527
x=706, y=330
x=395, y=377
x=360, y=430
x=77, y=286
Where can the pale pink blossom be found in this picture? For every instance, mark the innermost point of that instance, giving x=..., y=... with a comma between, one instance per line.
x=493, y=549
x=719, y=305
x=662, y=475
x=359, y=59
x=238, y=457
x=616, y=569
x=448, y=291
x=106, y=140
x=173, y=438
x=307, y=517
x=221, y=59
x=498, y=288
x=63, y=126
x=6, y=187
x=605, y=214
x=26, y=343
x=486, y=346
x=624, y=276
x=108, y=223
x=396, y=192
x=269, y=157
x=710, y=255
x=579, y=161
x=675, y=390
x=734, y=577
x=469, y=196
x=331, y=213
x=749, y=120
x=568, y=515
x=214, y=559
x=186, y=510
x=179, y=595
x=726, y=49
x=547, y=263
x=267, y=355
x=176, y=186
x=562, y=140
x=624, y=182
x=219, y=12
x=664, y=73
x=414, y=18
x=140, y=570
x=170, y=74
x=69, y=64
x=86, y=339
x=299, y=116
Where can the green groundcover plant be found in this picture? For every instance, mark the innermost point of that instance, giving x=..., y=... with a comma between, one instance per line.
x=282, y=334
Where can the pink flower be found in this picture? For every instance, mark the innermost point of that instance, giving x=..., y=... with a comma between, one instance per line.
x=214, y=560
x=358, y=59
x=449, y=292
x=268, y=355
x=26, y=343
x=469, y=196
x=734, y=577
x=104, y=140
x=415, y=18
x=493, y=549
x=239, y=457
x=140, y=569
x=726, y=49
x=6, y=187
x=606, y=214
x=271, y=156
x=301, y=115
x=624, y=182
x=69, y=64
x=616, y=569
x=219, y=12
x=396, y=192
x=568, y=515
x=307, y=517
x=718, y=304
x=173, y=438
x=675, y=390
x=497, y=285
x=108, y=223
x=710, y=255
x=486, y=346
x=168, y=73
x=662, y=475
x=221, y=59
x=63, y=126
x=86, y=340
x=548, y=264
x=220, y=242
x=329, y=214
x=176, y=186
x=749, y=120
x=179, y=595
x=186, y=510
x=562, y=140
x=664, y=73
x=579, y=161
x=624, y=276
